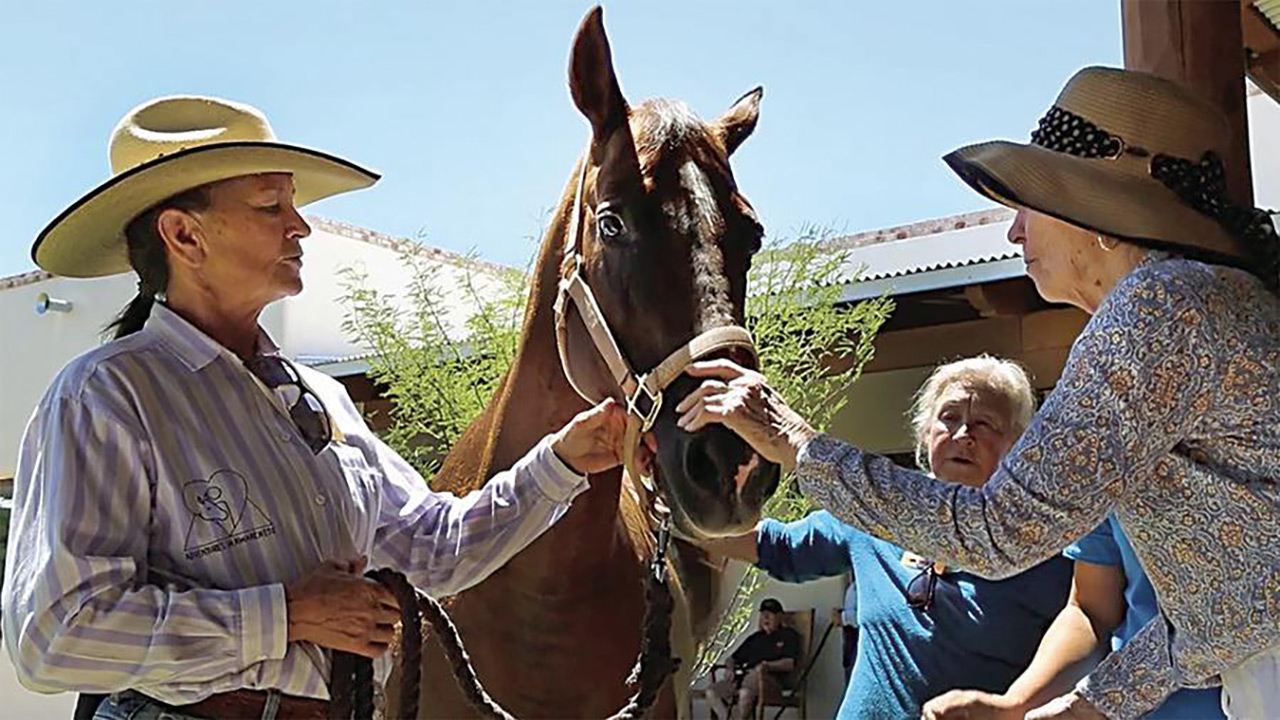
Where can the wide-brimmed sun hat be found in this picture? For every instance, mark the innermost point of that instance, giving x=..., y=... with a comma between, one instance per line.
x=165, y=147
x=1128, y=155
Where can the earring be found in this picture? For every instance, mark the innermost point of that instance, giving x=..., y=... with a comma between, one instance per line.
x=1102, y=243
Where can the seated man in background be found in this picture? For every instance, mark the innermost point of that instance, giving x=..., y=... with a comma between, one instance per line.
x=762, y=660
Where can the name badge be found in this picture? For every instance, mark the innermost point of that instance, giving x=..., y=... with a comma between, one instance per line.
x=913, y=561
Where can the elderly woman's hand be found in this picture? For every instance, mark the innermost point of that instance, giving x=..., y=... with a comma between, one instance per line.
x=742, y=401
x=971, y=705
x=592, y=441
x=1066, y=707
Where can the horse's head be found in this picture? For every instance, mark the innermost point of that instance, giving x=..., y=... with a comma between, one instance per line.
x=666, y=241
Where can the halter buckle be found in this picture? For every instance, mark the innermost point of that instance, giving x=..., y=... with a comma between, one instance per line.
x=655, y=404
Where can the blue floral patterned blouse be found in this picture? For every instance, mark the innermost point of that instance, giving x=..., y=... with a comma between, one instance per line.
x=1168, y=414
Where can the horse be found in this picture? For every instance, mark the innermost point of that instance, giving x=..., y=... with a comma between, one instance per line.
x=666, y=242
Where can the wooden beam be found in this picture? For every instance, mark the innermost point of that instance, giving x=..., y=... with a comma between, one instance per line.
x=1259, y=34
x=1015, y=296
x=934, y=344
x=1200, y=44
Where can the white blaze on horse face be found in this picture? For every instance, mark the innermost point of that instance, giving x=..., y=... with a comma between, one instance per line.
x=701, y=215
x=744, y=471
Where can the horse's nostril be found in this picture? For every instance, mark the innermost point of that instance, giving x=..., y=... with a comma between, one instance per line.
x=711, y=459
x=698, y=463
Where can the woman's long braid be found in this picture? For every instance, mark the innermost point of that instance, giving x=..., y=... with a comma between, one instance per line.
x=150, y=260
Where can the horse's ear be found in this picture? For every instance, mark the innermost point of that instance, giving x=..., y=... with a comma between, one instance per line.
x=736, y=124
x=592, y=80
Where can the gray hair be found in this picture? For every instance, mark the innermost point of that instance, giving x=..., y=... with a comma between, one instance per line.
x=1003, y=377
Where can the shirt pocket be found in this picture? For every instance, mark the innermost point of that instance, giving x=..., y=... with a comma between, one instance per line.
x=360, y=493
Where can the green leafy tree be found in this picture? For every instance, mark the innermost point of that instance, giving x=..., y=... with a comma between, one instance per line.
x=812, y=347
x=438, y=377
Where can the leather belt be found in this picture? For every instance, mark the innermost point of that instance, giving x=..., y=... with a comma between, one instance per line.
x=241, y=704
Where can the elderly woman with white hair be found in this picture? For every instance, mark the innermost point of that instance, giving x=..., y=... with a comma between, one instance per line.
x=925, y=627
x=1167, y=412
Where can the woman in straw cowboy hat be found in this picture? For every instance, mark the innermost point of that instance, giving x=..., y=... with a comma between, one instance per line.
x=192, y=511
x=1167, y=412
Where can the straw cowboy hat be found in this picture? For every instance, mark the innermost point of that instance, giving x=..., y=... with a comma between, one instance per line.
x=169, y=145
x=1128, y=155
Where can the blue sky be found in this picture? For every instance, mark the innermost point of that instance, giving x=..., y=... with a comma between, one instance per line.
x=464, y=106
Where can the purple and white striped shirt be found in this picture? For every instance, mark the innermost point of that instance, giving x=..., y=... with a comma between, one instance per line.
x=164, y=499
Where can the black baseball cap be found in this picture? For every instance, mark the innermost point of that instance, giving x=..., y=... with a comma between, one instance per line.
x=770, y=605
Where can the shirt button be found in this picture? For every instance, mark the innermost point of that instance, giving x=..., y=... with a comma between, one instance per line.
x=321, y=500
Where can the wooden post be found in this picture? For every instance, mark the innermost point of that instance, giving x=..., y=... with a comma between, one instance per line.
x=1199, y=44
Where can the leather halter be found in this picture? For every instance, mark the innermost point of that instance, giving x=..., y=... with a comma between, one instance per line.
x=637, y=388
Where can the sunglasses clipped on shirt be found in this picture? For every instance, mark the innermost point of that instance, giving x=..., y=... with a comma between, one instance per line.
x=307, y=412
x=923, y=586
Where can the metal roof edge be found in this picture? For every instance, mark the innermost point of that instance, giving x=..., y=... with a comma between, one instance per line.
x=30, y=277
x=935, y=279
x=343, y=368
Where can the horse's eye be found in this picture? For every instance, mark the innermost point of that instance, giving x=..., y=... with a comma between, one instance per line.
x=610, y=225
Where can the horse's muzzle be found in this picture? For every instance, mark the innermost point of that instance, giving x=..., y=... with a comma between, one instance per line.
x=716, y=484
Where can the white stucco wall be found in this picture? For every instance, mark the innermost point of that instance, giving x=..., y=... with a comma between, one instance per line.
x=1264, y=149
x=312, y=321
x=36, y=346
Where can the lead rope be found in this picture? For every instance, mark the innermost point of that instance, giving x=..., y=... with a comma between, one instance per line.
x=351, y=682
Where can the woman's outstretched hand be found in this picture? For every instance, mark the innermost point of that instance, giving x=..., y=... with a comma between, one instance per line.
x=1066, y=707
x=592, y=441
x=742, y=401
x=971, y=705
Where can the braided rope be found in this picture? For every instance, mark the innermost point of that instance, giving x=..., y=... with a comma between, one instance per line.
x=342, y=684
x=655, y=663
x=410, y=638
x=351, y=684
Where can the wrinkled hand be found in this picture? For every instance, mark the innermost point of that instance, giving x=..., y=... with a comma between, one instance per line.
x=970, y=705
x=743, y=402
x=592, y=441
x=336, y=607
x=1066, y=707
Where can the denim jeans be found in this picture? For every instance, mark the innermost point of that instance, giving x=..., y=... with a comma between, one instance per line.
x=136, y=706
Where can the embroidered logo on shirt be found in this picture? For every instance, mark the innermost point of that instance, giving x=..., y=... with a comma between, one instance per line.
x=223, y=514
